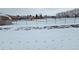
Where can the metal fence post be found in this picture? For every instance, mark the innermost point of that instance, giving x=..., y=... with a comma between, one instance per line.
x=46, y=20
x=65, y=20
x=55, y=20
x=74, y=20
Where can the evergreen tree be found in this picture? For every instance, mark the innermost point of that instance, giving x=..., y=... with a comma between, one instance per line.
x=36, y=16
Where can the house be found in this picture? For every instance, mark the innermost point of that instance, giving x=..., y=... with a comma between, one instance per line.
x=5, y=19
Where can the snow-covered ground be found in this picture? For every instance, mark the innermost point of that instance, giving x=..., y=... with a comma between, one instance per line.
x=65, y=38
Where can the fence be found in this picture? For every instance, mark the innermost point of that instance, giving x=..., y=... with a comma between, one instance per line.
x=50, y=21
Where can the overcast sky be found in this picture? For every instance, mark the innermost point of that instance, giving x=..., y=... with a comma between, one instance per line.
x=32, y=11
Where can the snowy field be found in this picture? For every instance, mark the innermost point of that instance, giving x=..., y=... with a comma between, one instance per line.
x=52, y=39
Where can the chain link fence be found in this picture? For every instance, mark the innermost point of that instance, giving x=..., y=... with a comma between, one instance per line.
x=49, y=21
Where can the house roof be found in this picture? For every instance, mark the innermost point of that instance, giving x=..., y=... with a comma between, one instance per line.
x=5, y=16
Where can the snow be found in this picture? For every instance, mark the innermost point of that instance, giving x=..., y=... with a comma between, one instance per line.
x=52, y=39
x=40, y=39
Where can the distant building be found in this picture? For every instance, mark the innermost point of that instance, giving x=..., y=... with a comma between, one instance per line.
x=5, y=19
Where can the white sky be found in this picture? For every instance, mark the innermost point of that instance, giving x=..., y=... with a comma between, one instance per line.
x=32, y=11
